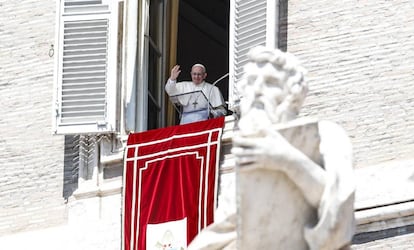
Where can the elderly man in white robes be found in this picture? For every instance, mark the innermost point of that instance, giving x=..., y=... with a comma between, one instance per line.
x=198, y=98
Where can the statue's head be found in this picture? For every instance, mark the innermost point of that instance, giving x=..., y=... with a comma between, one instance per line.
x=273, y=88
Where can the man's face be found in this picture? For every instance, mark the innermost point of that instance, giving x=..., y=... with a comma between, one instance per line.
x=263, y=91
x=198, y=75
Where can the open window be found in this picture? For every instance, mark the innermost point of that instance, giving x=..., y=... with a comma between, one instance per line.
x=216, y=33
x=220, y=33
x=202, y=36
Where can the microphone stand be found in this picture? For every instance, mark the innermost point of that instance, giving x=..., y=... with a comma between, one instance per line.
x=209, y=93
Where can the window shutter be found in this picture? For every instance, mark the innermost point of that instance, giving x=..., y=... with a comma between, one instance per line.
x=86, y=67
x=249, y=27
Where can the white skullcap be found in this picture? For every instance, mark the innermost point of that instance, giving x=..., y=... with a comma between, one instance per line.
x=199, y=65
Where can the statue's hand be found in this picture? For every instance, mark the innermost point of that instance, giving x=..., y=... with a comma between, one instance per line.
x=270, y=150
x=267, y=150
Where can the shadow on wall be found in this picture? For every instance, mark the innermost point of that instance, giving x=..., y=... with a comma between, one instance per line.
x=283, y=21
x=71, y=165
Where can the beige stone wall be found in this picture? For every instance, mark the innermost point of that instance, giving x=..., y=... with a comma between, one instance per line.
x=31, y=158
x=360, y=58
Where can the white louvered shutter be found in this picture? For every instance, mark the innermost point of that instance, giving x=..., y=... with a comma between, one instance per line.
x=86, y=67
x=252, y=23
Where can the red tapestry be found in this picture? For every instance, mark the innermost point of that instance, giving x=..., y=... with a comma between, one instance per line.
x=170, y=184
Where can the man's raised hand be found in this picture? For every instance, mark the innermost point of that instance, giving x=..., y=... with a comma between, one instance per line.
x=175, y=72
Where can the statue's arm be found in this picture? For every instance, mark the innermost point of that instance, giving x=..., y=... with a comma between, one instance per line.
x=272, y=151
x=307, y=175
x=336, y=221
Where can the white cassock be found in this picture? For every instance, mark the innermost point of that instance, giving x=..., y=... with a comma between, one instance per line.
x=194, y=99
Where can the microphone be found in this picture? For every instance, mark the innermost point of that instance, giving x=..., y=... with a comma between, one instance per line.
x=209, y=93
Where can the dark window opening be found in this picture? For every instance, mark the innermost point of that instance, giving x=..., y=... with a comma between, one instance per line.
x=203, y=37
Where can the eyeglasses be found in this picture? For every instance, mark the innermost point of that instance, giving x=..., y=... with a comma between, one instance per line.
x=197, y=74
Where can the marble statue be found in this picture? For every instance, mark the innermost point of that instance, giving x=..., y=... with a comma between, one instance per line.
x=294, y=177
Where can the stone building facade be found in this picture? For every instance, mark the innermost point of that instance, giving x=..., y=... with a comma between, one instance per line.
x=360, y=61
x=31, y=157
